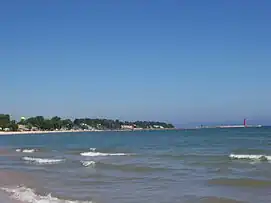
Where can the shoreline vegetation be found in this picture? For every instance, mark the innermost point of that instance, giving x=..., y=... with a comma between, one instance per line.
x=41, y=125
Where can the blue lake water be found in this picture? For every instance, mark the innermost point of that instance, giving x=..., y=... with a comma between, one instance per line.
x=189, y=166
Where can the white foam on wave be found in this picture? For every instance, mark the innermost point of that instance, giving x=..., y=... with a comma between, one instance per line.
x=251, y=157
x=93, y=154
x=42, y=160
x=88, y=163
x=29, y=196
x=26, y=150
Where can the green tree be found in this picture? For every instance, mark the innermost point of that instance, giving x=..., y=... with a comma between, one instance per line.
x=56, y=122
x=37, y=121
x=4, y=120
x=67, y=123
x=13, y=125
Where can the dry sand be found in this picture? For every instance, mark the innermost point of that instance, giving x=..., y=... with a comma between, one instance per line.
x=43, y=132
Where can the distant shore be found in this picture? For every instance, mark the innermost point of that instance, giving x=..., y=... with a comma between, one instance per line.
x=75, y=131
x=38, y=132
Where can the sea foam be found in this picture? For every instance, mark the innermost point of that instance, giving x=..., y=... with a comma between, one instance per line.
x=88, y=163
x=42, y=160
x=26, y=150
x=250, y=157
x=93, y=154
x=28, y=195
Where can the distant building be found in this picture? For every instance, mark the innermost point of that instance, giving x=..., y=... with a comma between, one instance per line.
x=34, y=129
x=6, y=129
x=22, y=128
x=127, y=127
x=158, y=126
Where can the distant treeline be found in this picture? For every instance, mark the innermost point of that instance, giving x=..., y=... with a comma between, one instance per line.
x=6, y=122
x=54, y=123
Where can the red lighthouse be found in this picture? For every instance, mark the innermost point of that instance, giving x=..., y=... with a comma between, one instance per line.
x=245, y=122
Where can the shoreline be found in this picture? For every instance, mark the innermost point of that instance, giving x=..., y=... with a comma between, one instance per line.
x=76, y=131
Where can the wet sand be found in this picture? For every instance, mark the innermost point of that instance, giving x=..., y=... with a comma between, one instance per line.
x=12, y=179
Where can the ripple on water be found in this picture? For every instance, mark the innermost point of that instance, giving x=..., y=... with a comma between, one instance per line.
x=240, y=182
x=212, y=199
x=132, y=167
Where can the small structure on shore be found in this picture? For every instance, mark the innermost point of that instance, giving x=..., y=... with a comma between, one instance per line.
x=127, y=127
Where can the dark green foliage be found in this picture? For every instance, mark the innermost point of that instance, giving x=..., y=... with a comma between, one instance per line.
x=67, y=123
x=4, y=120
x=116, y=124
x=147, y=124
x=13, y=125
x=40, y=123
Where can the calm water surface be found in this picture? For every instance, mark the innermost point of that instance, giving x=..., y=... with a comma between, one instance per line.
x=192, y=166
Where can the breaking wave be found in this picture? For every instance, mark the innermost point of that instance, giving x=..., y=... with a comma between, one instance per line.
x=94, y=153
x=26, y=150
x=28, y=195
x=250, y=157
x=102, y=154
x=42, y=160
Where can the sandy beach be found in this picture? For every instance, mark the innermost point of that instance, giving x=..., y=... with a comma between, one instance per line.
x=44, y=132
x=75, y=131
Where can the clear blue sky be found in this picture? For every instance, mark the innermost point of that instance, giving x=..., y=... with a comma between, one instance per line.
x=179, y=61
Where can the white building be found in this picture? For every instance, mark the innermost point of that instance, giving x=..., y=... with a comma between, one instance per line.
x=127, y=127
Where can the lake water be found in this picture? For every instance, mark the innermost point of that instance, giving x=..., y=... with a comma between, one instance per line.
x=189, y=166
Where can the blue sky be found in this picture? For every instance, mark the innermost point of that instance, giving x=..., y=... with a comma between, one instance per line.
x=179, y=61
